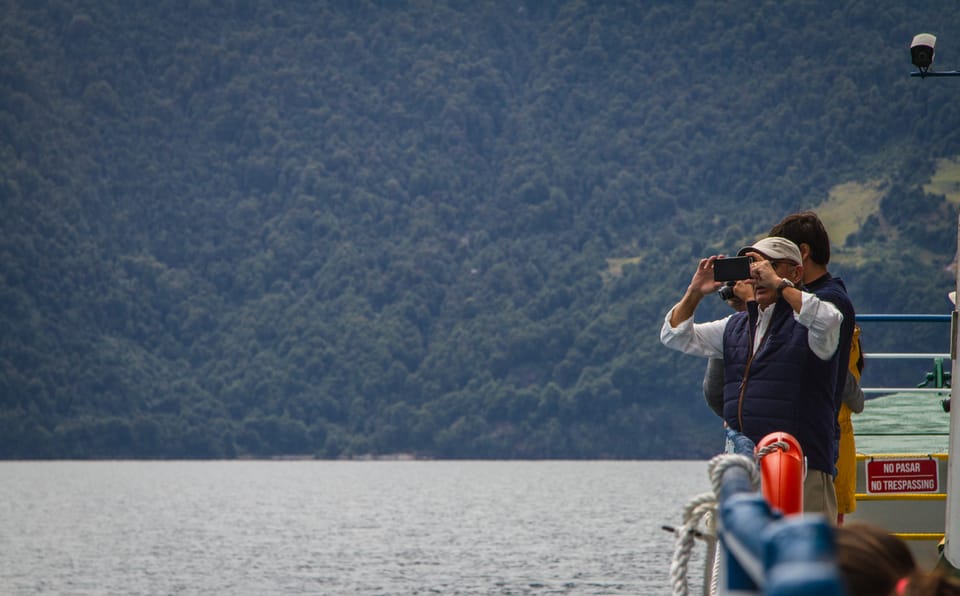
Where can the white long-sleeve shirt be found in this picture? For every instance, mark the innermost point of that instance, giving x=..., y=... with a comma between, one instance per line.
x=821, y=318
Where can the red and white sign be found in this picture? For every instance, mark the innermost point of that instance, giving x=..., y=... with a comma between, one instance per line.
x=903, y=476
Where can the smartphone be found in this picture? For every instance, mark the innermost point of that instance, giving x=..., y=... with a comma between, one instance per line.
x=731, y=268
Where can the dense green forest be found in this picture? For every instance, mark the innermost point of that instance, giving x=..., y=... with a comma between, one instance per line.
x=255, y=228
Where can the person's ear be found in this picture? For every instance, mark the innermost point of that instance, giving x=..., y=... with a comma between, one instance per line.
x=804, y=250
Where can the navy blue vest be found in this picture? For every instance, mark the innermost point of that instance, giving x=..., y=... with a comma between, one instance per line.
x=832, y=289
x=788, y=388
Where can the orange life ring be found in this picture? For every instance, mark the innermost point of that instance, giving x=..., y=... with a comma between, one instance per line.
x=781, y=472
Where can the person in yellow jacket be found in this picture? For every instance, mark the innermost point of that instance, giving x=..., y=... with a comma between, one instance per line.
x=845, y=484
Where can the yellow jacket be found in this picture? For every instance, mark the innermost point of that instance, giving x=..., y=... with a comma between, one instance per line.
x=846, y=481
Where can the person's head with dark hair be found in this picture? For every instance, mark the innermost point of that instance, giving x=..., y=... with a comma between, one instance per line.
x=805, y=228
x=871, y=560
x=934, y=583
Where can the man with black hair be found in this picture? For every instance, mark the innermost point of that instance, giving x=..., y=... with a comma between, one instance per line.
x=806, y=230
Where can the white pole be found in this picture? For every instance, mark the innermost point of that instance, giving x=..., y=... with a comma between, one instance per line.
x=951, y=549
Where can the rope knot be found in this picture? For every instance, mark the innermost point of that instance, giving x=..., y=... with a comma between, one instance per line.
x=775, y=446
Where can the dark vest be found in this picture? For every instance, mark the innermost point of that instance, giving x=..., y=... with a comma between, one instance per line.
x=832, y=289
x=787, y=388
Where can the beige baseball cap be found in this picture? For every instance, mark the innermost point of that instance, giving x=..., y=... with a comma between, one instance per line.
x=775, y=248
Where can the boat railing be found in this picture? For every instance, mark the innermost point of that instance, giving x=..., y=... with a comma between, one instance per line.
x=940, y=381
x=916, y=517
x=759, y=549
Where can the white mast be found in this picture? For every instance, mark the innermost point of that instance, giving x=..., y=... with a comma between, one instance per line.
x=951, y=551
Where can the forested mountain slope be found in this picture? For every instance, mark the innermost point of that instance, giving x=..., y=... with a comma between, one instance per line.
x=257, y=228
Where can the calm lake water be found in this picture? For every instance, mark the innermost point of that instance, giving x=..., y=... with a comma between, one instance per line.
x=318, y=527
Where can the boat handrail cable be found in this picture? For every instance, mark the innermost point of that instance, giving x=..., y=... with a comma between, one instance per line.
x=904, y=317
x=937, y=357
x=905, y=355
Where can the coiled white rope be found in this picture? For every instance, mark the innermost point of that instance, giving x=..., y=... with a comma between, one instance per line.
x=776, y=445
x=704, y=508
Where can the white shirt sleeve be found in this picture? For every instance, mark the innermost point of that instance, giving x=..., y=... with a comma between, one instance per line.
x=822, y=320
x=698, y=339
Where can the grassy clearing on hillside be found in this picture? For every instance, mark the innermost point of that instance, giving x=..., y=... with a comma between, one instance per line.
x=946, y=181
x=615, y=267
x=848, y=207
